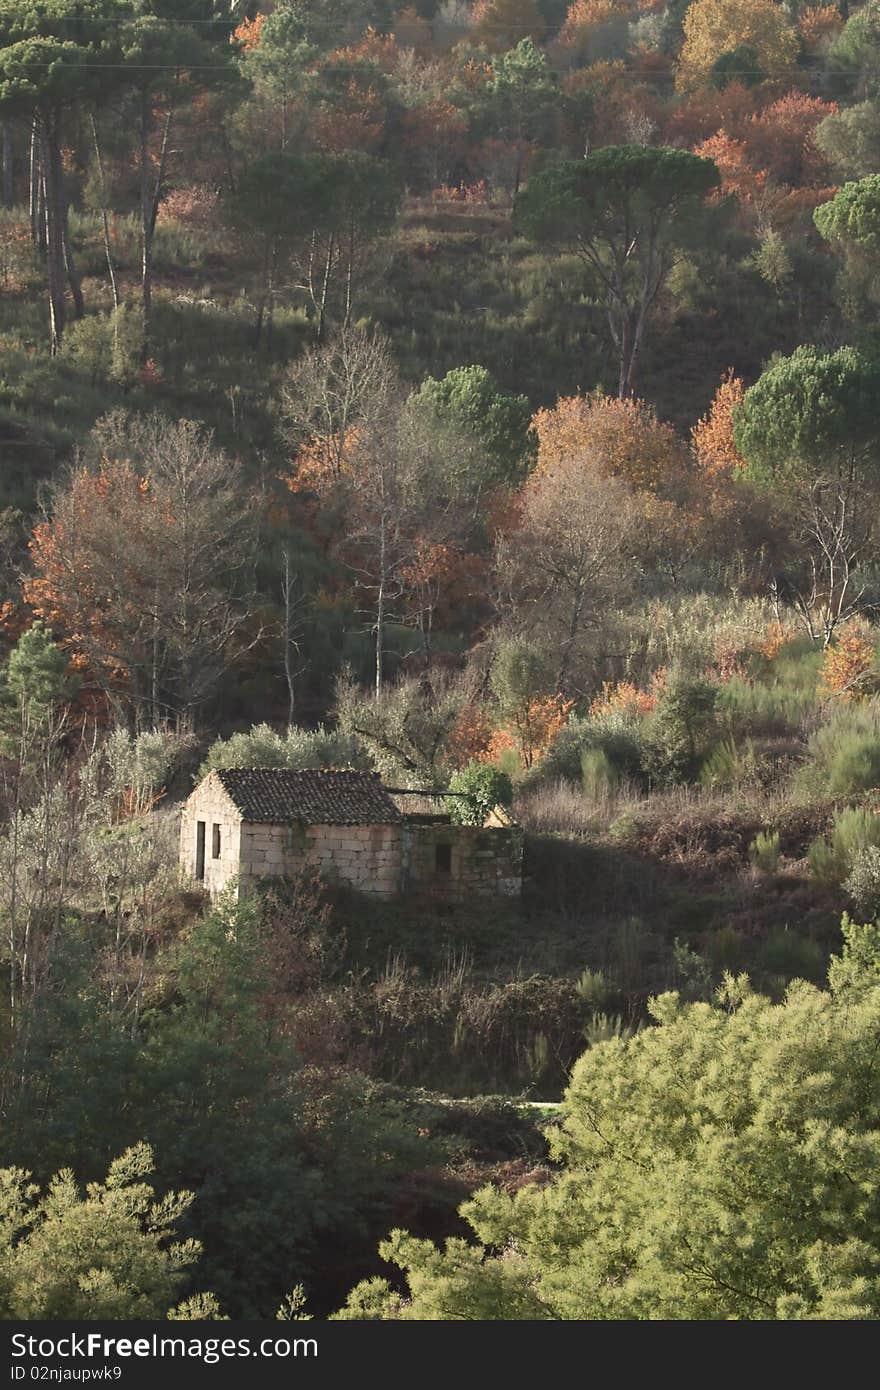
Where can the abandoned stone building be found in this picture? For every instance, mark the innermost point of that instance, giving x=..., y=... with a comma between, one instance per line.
x=243, y=825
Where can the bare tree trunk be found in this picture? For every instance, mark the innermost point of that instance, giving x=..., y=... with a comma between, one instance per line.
x=8, y=165
x=325, y=287
x=380, y=606
x=105, y=224
x=150, y=211
x=79, y=305
x=53, y=194
x=270, y=292
x=34, y=181
x=287, y=583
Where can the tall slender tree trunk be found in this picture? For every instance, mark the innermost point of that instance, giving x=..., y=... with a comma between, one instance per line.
x=34, y=180
x=150, y=199
x=54, y=203
x=270, y=292
x=79, y=304
x=287, y=584
x=380, y=606
x=8, y=165
x=325, y=287
x=105, y=225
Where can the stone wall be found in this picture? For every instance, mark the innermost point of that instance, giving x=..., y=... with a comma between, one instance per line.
x=448, y=862
x=481, y=862
x=213, y=807
x=366, y=856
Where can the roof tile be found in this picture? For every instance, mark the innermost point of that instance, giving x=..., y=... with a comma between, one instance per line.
x=276, y=796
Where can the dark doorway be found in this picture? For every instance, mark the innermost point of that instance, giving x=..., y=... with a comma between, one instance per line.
x=200, y=849
x=443, y=859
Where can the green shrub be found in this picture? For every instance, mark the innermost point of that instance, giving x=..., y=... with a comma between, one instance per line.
x=680, y=731
x=764, y=851
x=726, y=948
x=593, y=988
x=854, y=829
x=774, y=699
x=693, y=973
x=480, y=787
x=843, y=756
x=107, y=346
x=598, y=773
x=863, y=882
x=615, y=735
x=604, y=1027
x=790, y=956
x=728, y=765
x=630, y=945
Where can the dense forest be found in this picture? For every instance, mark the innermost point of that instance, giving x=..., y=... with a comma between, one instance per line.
x=486, y=395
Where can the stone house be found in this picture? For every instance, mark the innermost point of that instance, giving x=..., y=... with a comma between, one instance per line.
x=244, y=824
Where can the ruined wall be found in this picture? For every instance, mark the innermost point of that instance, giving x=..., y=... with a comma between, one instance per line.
x=449, y=862
x=481, y=862
x=213, y=808
x=366, y=856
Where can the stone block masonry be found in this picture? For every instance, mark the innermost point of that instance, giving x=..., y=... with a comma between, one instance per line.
x=220, y=846
x=457, y=862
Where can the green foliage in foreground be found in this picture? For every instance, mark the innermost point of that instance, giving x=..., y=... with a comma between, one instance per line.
x=480, y=787
x=721, y=1165
x=108, y=1254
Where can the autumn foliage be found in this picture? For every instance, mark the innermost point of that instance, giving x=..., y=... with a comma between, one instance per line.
x=619, y=438
x=850, y=661
x=818, y=25
x=712, y=436
x=713, y=28
x=70, y=589
x=622, y=697
x=248, y=32
x=500, y=24
x=738, y=173
x=530, y=731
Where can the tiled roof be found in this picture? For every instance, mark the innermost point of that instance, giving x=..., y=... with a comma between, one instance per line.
x=276, y=796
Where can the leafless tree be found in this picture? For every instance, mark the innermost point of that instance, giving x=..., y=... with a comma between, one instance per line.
x=146, y=566
x=335, y=390
x=569, y=557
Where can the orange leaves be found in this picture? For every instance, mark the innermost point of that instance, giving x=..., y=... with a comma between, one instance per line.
x=738, y=175
x=323, y=462
x=530, y=732
x=360, y=127
x=818, y=25
x=618, y=438
x=500, y=24
x=248, y=32
x=582, y=20
x=431, y=564
x=622, y=697
x=712, y=436
x=470, y=737
x=848, y=669
x=380, y=49
x=434, y=137
x=471, y=194
x=777, y=636
x=703, y=113
x=75, y=588
x=781, y=139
